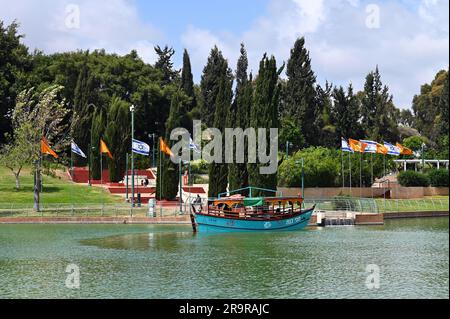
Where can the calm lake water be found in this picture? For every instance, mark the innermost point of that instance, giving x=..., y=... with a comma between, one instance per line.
x=142, y=261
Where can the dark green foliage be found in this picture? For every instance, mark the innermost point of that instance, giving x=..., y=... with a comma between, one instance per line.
x=438, y=178
x=187, y=81
x=218, y=172
x=413, y=179
x=346, y=114
x=118, y=138
x=98, y=129
x=15, y=62
x=170, y=171
x=210, y=83
x=239, y=117
x=264, y=114
x=379, y=115
x=327, y=172
x=428, y=109
x=84, y=100
x=165, y=64
x=300, y=93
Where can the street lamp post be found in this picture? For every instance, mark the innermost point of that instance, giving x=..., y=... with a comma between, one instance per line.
x=288, y=144
x=152, y=136
x=303, y=176
x=132, y=108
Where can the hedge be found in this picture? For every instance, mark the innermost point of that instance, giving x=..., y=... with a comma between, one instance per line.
x=438, y=178
x=413, y=179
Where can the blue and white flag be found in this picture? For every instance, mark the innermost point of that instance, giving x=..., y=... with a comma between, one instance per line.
x=392, y=150
x=371, y=146
x=193, y=146
x=345, y=147
x=76, y=149
x=140, y=148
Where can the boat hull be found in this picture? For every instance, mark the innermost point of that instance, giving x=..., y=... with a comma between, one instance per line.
x=207, y=223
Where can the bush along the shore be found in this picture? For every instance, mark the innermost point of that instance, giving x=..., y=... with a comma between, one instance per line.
x=413, y=179
x=438, y=178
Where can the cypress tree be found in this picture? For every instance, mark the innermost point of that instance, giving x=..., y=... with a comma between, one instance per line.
x=239, y=117
x=98, y=127
x=264, y=114
x=218, y=172
x=209, y=85
x=379, y=115
x=84, y=95
x=300, y=92
x=117, y=137
x=187, y=82
x=345, y=114
x=170, y=170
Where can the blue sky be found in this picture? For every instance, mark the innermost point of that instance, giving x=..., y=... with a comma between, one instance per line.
x=407, y=39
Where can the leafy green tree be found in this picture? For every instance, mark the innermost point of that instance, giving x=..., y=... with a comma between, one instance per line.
x=239, y=117
x=40, y=115
x=218, y=172
x=264, y=114
x=117, y=137
x=187, y=81
x=98, y=127
x=346, y=114
x=169, y=173
x=300, y=92
x=379, y=114
x=427, y=107
x=14, y=64
x=84, y=96
x=210, y=83
x=165, y=64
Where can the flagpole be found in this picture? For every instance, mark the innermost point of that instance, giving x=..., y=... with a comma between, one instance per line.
x=371, y=168
x=360, y=174
x=350, y=169
x=101, y=169
x=132, y=155
x=160, y=172
x=126, y=174
x=343, y=176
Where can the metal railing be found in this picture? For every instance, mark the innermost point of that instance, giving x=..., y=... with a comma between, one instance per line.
x=334, y=204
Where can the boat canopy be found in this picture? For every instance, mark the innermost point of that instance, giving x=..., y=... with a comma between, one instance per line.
x=254, y=201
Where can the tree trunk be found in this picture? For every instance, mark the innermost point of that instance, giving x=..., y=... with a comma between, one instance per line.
x=37, y=183
x=17, y=176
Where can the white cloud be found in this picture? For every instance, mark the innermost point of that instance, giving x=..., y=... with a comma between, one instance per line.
x=410, y=46
x=113, y=25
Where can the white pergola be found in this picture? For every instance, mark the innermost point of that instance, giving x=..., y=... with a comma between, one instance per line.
x=438, y=163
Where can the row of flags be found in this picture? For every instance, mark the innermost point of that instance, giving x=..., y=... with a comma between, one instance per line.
x=138, y=147
x=366, y=146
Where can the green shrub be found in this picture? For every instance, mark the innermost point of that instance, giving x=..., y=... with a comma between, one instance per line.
x=412, y=179
x=438, y=177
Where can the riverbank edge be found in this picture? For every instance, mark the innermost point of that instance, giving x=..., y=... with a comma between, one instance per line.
x=185, y=219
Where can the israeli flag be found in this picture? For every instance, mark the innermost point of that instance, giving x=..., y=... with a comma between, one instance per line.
x=140, y=148
x=76, y=149
x=345, y=147
x=371, y=146
x=193, y=146
x=392, y=150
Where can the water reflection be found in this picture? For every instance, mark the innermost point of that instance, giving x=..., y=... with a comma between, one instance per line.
x=145, y=241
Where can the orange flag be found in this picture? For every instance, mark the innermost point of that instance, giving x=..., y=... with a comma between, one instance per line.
x=404, y=150
x=357, y=146
x=45, y=148
x=163, y=147
x=104, y=149
x=381, y=149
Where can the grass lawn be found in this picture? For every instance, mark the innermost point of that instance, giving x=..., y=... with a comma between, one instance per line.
x=56, y=191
